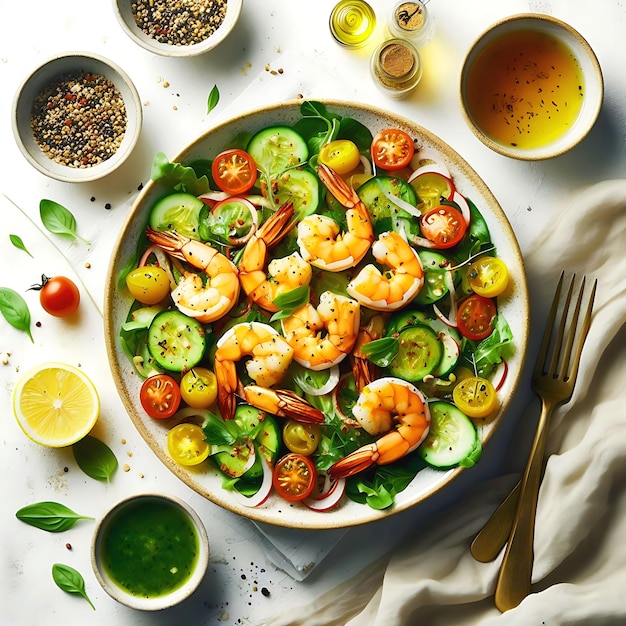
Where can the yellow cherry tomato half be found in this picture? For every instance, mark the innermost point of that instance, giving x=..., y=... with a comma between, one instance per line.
x=488, y=276
x=475, y=396
x=198, y=388
x=341, y=155
x=186, y=444
x=301, y=438
x=148, y=284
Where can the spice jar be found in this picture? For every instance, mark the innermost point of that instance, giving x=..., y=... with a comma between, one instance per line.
x=396, y=67
x=352, y=22
x=410, y=19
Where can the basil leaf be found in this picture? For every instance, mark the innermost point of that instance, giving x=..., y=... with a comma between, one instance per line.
x=50, y=516
x=19, y=244
x=290, y=301
x=15, y=310
x=381, y=351
x=217, y=433
x=95, y=458
x=70, y=581
x=214, y=98
x=58, y=220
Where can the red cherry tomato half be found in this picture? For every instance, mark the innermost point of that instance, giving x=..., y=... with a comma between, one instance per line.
x=234, y=171
x=392, y=149
x=160, y=396
x=475, y=317
x=444, y=226
x=294, y=477
x=59, y=296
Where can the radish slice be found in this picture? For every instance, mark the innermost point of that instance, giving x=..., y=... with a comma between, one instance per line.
x=464, y=206
x=262, y=494
x=329, y=499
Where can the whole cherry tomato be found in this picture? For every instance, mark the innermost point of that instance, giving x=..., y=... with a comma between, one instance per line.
x=59, y=296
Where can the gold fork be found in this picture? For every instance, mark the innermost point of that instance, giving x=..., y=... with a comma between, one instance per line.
x=553, y=381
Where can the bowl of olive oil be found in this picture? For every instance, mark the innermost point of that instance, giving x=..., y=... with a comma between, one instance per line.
x=150, y=551
x=531, y=87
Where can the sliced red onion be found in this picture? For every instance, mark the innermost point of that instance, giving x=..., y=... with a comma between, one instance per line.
x=329, y=499
x=367, y=166
x=399, y=202
x=327, y=387
x=501, y=375
x=264, y=491
x=431, y=161
x=464, y=206
x=162, y=259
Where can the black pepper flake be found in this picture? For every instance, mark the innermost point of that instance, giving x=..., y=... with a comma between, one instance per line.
x=265, y=591
x=179, y=22
x=79, y=119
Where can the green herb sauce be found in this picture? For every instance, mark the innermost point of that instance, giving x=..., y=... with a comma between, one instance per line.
x=150, y=548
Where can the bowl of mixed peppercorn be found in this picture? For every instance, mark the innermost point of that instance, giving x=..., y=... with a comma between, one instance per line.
x=77, y=117
x=177, y=28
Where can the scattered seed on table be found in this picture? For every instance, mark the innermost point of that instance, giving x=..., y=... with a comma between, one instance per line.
x=179, y=22
x=79, y=119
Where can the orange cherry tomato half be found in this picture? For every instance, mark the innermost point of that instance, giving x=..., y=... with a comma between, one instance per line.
x=475, y=317
x=392, y=149
x=444, y=226
x=160, y=396
x=234, y=171
x=294, y=477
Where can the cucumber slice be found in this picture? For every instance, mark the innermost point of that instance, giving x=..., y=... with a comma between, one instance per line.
x=452, y=439
x=301, y=187
x=179, y=212
x=434, y=288
x=386, y=215
x=276, y=149
x=419, y=353
x=176, y=342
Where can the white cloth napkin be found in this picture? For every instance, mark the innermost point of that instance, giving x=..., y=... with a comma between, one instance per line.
x=580, y=540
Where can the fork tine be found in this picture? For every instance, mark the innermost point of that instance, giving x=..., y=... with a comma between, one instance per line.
x=566, y=357
x=547, y=333
x=584, y=329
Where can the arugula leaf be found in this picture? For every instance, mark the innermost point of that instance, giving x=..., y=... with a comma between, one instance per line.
x=177, y=176
x=213, y=99
x=58, y=220
x=491, y=350
x=50, y=516
x=15, y=310
x=70, y=580
x=95, y=458
x=19, y=244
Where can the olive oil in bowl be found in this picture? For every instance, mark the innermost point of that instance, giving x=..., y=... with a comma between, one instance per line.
x=531, y=87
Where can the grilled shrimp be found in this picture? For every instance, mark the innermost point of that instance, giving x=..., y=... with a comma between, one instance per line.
x=395, y=409
x=205, y=300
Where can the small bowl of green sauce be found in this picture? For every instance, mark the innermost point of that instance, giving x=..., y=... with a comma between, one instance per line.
x=150, y=551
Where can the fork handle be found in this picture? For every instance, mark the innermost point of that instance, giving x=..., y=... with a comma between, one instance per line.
x=514, y=577
x=493, y=536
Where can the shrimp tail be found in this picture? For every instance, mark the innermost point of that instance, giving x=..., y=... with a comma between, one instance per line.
x=277, y=225
x=170, y=241
x=355, y=462
x=282, y=402
x=342, y=192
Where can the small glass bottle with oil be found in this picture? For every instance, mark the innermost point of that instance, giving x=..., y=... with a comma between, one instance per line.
x=396, y=67
x=352, y=22
x=410, y=19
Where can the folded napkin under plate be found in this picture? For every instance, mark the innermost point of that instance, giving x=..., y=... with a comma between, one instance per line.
x=580, y=539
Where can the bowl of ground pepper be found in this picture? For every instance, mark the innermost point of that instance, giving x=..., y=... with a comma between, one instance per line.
x=77, y=117
x=177, y=28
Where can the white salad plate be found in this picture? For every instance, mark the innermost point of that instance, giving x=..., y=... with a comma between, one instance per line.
x=204, y=479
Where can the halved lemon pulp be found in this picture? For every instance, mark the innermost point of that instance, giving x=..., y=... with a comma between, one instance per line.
x=55, y=404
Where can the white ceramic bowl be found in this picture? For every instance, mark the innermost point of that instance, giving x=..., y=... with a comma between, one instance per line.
x=122, y=595
x=206, y=480
x=125, y=16
x=593, y=85
x=49, y=74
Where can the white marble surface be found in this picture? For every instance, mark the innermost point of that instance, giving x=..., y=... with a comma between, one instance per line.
x=292, y=35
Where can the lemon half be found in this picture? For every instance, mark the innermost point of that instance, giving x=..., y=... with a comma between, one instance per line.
x=55, y=404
